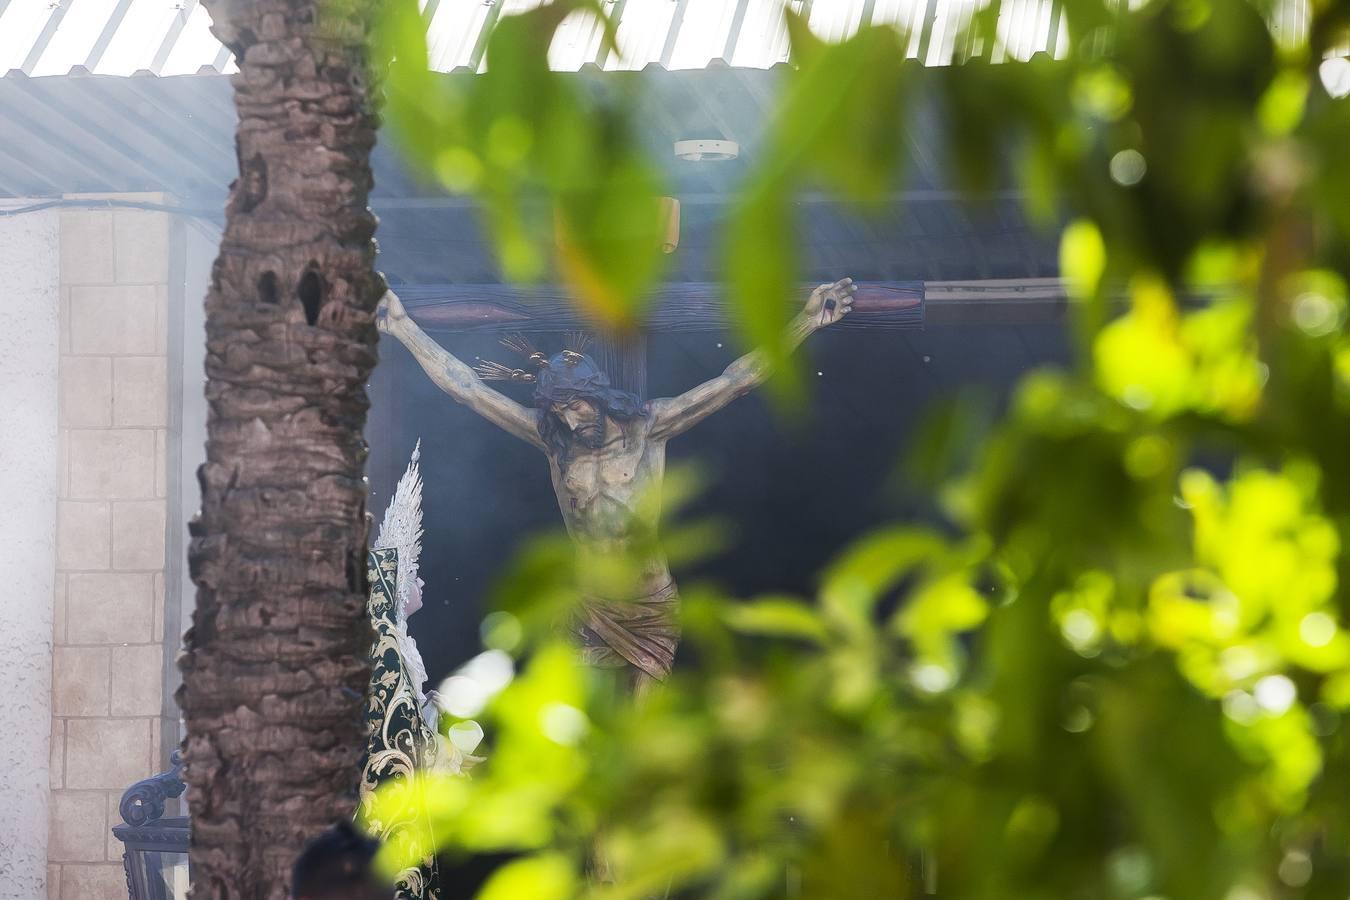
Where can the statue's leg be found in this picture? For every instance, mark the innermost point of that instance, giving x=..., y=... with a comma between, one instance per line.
x=636, y=642
x=640, y=684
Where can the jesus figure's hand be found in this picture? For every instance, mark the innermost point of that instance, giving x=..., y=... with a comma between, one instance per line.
x=829, y=303
x=390, y=310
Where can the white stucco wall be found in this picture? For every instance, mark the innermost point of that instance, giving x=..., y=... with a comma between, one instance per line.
x=29, y=341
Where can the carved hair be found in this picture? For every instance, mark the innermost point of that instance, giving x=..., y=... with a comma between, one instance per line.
x=571, y=376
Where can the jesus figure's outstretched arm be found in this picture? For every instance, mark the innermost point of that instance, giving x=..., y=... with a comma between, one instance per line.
x=454, y=377
x=675, y=415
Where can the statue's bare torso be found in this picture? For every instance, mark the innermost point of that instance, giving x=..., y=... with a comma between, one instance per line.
x=597, y=489
x=610, y=494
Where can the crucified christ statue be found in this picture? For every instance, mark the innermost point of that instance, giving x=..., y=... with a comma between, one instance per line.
x=606, y=448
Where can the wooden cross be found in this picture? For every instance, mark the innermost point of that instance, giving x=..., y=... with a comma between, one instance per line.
x=675, y=307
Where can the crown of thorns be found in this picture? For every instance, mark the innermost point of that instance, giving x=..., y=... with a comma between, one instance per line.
x=573, y=353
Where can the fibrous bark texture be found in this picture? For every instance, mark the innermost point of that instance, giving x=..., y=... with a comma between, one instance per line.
x=276, y=663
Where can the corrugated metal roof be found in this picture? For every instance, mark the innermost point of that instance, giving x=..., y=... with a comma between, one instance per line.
x=114, y=37
x=173, y=37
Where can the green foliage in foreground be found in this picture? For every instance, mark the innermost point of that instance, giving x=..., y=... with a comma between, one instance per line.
x=1120, y=674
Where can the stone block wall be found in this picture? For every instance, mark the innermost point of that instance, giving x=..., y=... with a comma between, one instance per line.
x=108, y=661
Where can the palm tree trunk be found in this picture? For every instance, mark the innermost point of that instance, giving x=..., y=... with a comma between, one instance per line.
x=276, y=665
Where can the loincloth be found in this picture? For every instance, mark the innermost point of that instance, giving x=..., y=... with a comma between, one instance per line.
x=641, y=633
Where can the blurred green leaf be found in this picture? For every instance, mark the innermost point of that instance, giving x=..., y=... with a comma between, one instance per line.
x=761, y=275
x=1082, y=259
x=939, y=610
x=422, y=113
x=777, y=617
x=853, y=584
x=543, y=876
x=840, y=119
x=842, y=111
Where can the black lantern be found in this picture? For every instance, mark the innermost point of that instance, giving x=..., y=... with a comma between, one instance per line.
x=155, y=847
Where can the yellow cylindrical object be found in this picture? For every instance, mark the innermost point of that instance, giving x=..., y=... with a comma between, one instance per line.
x=670, y=211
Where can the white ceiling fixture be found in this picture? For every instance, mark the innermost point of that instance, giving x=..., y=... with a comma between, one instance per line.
x=707, y=150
